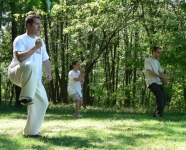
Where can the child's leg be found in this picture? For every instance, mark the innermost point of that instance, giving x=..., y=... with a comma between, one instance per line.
x=77, y=107
x=80, y=104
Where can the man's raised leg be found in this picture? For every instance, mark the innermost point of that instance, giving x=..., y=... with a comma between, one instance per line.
x=24, y=75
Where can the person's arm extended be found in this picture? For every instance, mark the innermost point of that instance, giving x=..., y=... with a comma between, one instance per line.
x=160, y=75
x=48, y=69
x=154, y=74
x=21, y=56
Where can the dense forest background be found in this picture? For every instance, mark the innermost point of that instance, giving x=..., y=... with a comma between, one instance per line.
x=111, y=39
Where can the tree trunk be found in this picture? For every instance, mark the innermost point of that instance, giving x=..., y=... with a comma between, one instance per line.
x=135, y=69
x=127, y=70
x=14, y=35
x=114, y=74
x=0, y=89
x=64, y=40
x=1, y=13
x=57, y=77
x=52, y=87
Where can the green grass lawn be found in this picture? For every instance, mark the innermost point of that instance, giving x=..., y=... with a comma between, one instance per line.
x=99, y=129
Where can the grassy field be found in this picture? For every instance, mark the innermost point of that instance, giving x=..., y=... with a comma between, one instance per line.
x=99, y=129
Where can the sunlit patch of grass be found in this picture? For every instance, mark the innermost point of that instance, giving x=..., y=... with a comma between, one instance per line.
x=99, y=129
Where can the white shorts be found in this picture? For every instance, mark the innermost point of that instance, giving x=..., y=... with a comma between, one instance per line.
x=75, y=97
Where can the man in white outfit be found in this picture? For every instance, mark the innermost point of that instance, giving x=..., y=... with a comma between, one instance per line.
x=25, y=70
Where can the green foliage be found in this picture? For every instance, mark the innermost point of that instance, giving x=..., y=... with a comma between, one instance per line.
x=111, y=39
x=45, y=3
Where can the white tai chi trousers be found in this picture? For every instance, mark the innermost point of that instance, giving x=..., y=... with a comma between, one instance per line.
x=24, y=75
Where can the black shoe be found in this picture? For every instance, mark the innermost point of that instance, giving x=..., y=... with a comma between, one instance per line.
x=33, y=136
x=154, y=114
x=157, y=114
x=26, y=101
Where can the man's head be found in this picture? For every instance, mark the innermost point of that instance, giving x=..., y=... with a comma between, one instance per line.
x=156, y=52
x=32, y=23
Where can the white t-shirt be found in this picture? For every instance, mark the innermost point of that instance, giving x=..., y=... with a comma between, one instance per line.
x=154, y=65
x=24, y=43
x=73, y=86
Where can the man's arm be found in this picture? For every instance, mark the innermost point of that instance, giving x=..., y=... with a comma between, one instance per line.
x=160, y=71
x=21, y=56
x=164, y=79
x=153, y=73
x=161, y=75
x=48, y=70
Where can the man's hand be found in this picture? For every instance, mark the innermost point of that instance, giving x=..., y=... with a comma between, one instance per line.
x=38, y=43
x=48, y=78
x=164, y=80
x=48, y=70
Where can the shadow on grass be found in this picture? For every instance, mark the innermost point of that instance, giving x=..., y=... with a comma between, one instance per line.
x=6, y=142
x=65, y=113
x=94, y=142
x=68, y=141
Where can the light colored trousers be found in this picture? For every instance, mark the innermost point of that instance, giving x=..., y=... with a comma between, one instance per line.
x=24, y=75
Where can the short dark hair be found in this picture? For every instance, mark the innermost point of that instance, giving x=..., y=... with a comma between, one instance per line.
x=72, y=64
x=30, y=19
x=155, y=48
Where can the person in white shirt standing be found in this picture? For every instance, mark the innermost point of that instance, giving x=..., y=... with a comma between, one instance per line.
x=25, y=70
x=76, y=78
x=153, y=76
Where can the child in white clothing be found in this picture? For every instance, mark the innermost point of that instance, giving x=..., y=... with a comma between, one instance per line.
x=76, y=78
